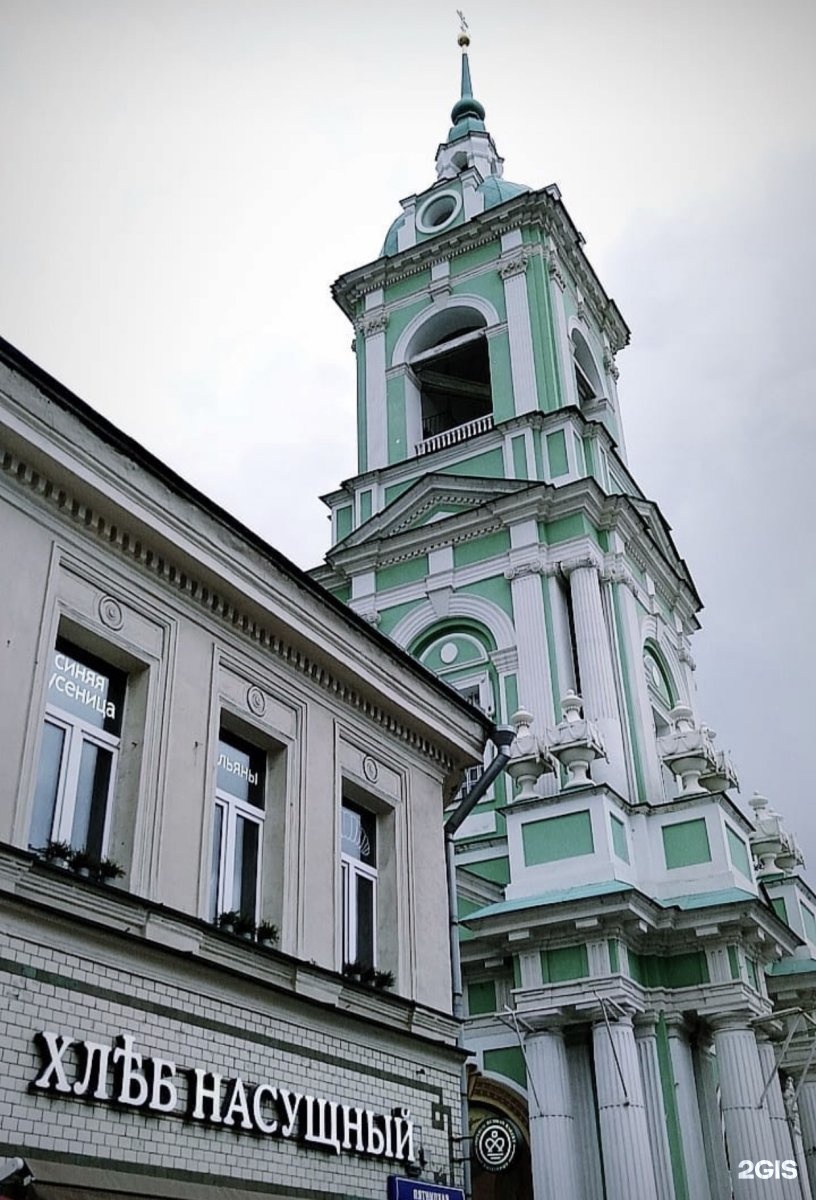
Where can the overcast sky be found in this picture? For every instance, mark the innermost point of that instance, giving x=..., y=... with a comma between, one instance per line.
x=183, y=179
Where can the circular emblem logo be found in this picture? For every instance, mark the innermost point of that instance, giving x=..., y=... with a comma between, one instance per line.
x=495, y=1143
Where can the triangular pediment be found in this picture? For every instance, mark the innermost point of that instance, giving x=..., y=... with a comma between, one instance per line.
x=429, y=500
x=659, y=532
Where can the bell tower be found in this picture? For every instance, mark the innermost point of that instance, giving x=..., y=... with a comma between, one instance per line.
x=495, y=530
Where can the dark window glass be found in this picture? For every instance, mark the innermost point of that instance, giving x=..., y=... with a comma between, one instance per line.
x=88, y=829
x=245, y=878
x=365, y=920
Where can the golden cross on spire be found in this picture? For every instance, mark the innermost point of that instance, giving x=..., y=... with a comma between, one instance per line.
x=464, y=36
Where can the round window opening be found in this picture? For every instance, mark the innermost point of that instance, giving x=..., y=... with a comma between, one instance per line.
x=438, y=212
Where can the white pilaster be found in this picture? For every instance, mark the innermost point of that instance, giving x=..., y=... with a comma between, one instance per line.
x=593, y=647
x=627, y=1153
x=553, y=1146
x=556, y=284
x=513, y=271
x=705, y=1076
x=372, y=328
x=644, y=721
x=747, y=1126
x=655, y=1109
x=561, y=636
x=688, y=1112
x=782, y=1144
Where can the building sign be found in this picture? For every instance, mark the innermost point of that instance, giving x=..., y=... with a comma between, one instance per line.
x=118, y=1075
x=495, y=1142
x=418, y=1189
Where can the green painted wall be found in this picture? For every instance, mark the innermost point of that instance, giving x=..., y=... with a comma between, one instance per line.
x=342, y=593
x=479, y=549
x=809, y=922
x=738, y=852
x=365, y=507
x=542, y=327
x=398, y=449
x=614, y=955
x=391, y=617
x=733, y=962
x=672, y=971
x=501, y=377
x=556, y=838
x=481, y=998
x=495, y=589
x=779, y=907
x=410, y=571
x=511, y=692
x=619, y=842
x=495, y=869
x=471, y=260
x=489, y=465
x=345, y=521
x=396, y=489
x=561, y=530
x=557, y=454
x=509, y=1062
x=519, y=448
x=686, y=843
x=565, y=963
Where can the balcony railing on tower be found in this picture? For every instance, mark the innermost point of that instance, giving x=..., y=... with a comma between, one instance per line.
x=452, y=437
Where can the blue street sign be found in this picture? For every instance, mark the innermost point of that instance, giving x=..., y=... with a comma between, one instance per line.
x=418, y=1189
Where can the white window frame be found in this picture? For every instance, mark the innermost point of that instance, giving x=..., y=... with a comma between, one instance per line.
x=232, y=807
x=350, y=869
x=77, y=733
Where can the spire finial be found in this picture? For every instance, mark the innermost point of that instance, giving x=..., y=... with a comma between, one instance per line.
x=466, y=108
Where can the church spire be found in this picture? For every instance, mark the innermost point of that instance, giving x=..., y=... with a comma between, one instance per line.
x=467, y=113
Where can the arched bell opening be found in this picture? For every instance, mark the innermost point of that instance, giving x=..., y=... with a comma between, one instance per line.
x=450, y=363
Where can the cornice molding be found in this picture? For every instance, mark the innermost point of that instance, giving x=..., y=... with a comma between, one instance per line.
x=118, y=539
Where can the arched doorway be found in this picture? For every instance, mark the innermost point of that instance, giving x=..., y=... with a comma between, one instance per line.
x=487, y=1098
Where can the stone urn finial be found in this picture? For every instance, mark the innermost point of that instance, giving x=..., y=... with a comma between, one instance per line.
x=529, y=757
x=687, y=751
x=776, y=851
x=576, y=742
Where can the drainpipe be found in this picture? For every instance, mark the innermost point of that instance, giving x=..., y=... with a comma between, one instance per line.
x=502, y=736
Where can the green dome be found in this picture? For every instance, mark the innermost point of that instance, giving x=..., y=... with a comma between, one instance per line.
x=496, y=191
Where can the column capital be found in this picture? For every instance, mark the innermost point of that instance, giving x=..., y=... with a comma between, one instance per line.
x=535, y=565
x=515, y=265
x=733, y=1022
x=587, y=560
x=372, y=324
x=617, y=570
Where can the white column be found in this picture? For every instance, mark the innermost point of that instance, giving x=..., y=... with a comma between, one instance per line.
x=807, y=1117
x=534, y=683
x=655, y=1109
x=748, y=1130
x=586, y=1120
x=522, y=365
x=627, y=1154
x=593, y=647
x=688, y=1112
x=563, y=345
x=782, y=1144
x=711, y=1120
x=552, y=1125
x=561, y=635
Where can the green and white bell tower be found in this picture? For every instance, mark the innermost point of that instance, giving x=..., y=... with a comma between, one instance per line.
x=495, y=531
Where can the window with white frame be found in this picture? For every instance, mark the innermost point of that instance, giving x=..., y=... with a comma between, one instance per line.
x=78, y=751
x=358, y=864
x=238, y=817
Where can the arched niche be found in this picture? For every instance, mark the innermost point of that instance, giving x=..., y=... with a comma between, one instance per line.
x=587, y=376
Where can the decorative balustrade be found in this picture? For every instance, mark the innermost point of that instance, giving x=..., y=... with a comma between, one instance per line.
x=452, y=437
